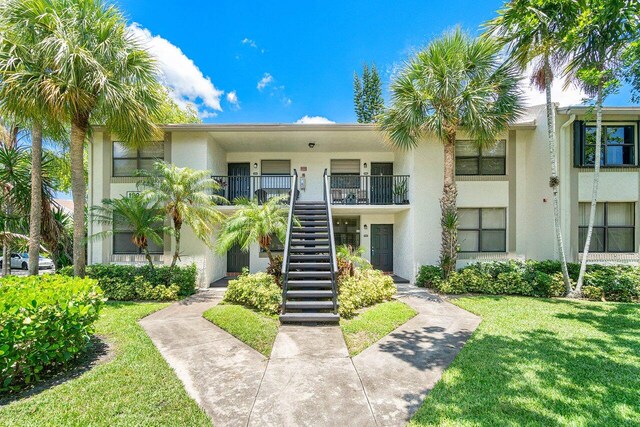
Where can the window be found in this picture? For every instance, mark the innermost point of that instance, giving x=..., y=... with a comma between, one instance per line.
x=613, y=228
x=276, y=174
x=345, y=173
x=123, y=240
x=473, y=160
x=276, y=245
x=126, y=161
x=347, y=231
x=482, y=230
x=618, y=145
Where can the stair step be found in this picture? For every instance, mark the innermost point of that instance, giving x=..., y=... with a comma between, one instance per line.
x=310, y=214
x=307, y=250
x=305, y=305
x=312, y=257
x=309, y=294
x=309, y=266
x=310, y=241
x=313, y=224
x=309, y=235
x=309, y=274
x=309, y=317
x=307, y=229
x=302, y=284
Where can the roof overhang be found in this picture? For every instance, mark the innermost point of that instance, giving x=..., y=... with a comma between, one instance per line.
x=585, y=109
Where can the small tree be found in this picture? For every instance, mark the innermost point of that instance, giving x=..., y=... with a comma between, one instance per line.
x=352, y=257
x=132, y=212
x=253, y=222
x=186, y=196
x=367, y=95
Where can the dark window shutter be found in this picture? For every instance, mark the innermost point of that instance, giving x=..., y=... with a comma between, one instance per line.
x=578, y=127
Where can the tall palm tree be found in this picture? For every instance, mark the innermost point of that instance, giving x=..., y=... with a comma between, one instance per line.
x=145, y=222
x=186, y=196
x=533, y=32
x=96, y=72
x=598, y=40
x=455, y=83
x=254, y=222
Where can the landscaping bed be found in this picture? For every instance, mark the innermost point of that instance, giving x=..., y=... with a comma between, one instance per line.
x=137, y=387
x=542, y=362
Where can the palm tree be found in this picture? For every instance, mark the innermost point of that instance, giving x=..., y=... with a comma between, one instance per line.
x=133, y=212
x=96, y=72
x=186, y=196
x=254, y=222
x=598, y=40
x=353, y=257
x=533, y=32
x=455, y=83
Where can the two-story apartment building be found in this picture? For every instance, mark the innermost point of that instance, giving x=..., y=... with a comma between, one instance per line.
x=387, y=200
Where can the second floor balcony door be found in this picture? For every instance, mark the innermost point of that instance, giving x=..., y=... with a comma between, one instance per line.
x=381, y=186
x=239, y=181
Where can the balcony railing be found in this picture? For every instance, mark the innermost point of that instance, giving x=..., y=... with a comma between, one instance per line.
x=369, y=189
x=260, y=187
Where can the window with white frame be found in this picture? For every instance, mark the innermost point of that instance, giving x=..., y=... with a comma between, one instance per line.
x=613, y=229
x=482, y=229
x=471, y=159
x=123, y=240
x=126, y=160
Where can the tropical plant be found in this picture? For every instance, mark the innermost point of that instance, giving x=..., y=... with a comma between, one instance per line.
x=254, y=222
x=367, y=95
x=353, y=258
x=132, y=212
x=533, y=32
x=456, y=83
x=598, y=40
x=92, y=70
x=186, y=196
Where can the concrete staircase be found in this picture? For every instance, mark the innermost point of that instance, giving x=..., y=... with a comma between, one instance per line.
x=309, y=288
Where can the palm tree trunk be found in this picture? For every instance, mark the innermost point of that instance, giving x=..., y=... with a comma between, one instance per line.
x=269, y=255
x=147, y=255
x=554, y=181
x=79, y=127
x=6, y=250
x=448, y=251
x=176, y=253
x=35, y=219
x=577, y=292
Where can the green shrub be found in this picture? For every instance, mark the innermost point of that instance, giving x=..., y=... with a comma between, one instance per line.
x=427, y=275
x=45, y=321
x=129, y=282
x=258, y=291
x=275, y=269
x=593, y=293
x=618, y=283
x=366, y=288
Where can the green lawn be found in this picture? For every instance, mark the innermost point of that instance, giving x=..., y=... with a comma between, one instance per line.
x=255, y=329
x=542, y=362
x=373, y=324
x=137, y=387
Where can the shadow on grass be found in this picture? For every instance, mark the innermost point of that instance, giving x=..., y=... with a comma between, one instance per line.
x=542, y=377
x=98, y=351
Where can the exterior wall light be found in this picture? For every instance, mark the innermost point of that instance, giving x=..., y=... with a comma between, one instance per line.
x=365, y=227
x=255, y=166
x=312, y=144
x=365, y=165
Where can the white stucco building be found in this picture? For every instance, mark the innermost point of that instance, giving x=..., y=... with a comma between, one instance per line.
x=388, y=200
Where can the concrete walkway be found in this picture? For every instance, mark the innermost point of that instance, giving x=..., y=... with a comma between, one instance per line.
x=310, y=379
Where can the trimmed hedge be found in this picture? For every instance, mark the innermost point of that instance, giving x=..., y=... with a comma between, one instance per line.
x=535, y=278
x=366, y=288
x=45, y=321
x=141, y=283
x=258, y=291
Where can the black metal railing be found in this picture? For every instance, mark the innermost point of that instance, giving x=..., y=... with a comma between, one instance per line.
x=369, y=189
x=287, y=243
x=332, y=247
x=261, y=187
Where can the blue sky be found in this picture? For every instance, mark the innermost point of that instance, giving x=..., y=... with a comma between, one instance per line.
x=246, y=62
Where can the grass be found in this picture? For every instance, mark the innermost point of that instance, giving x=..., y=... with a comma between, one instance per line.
x=257, y=330
x=373, y=324
x=137, y=387
x=542, y=362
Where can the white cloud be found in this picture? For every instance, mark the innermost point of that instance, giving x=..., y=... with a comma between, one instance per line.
x=314, y=120
x=207, y=114
x=249, y=42
x=572, y=95
x=232, y=98
x=266, y=80
x=180, y=74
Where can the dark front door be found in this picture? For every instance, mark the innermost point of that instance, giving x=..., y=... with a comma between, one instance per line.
x=239, y=181
x=381, y=186
x=237, y=259
x=382, y=246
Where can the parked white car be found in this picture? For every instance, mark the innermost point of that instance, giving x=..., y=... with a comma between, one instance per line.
x=22, y=261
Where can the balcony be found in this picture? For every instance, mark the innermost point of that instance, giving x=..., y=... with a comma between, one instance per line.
x=369, y=190
x=260, y=187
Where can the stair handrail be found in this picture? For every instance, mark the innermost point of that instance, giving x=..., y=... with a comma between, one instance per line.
x=332, y=249
x=287, y=245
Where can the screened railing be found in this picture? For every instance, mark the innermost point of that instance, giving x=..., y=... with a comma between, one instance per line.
x=260, y=187
x=346, y=189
